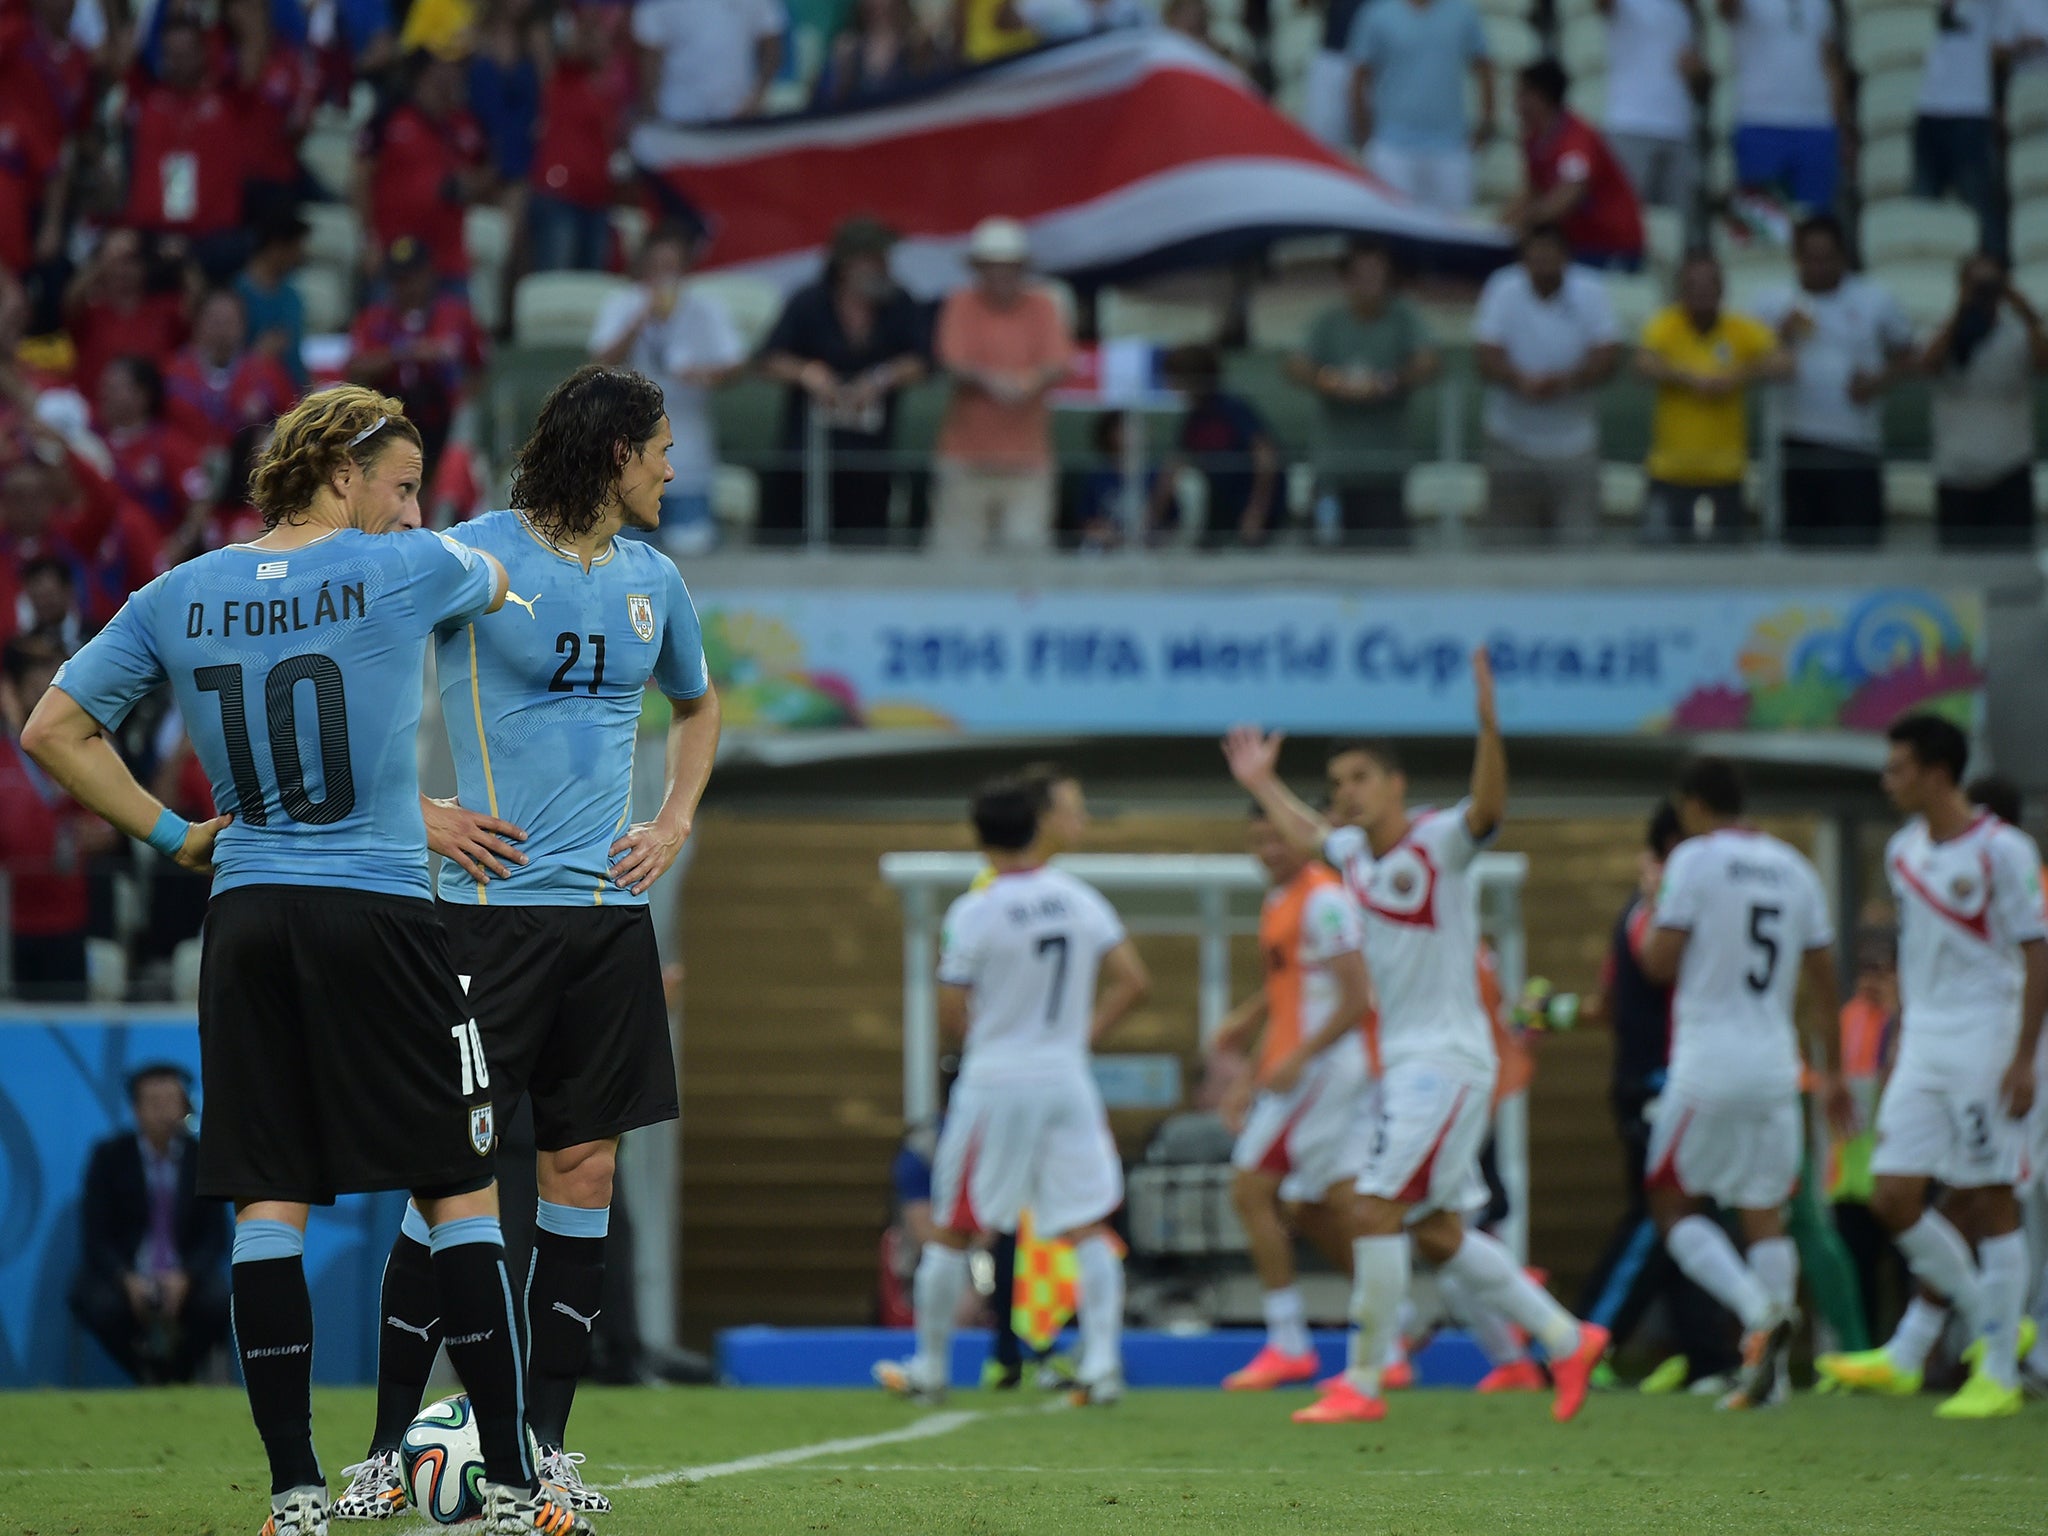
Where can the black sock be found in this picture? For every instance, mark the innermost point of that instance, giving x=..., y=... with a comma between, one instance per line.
x=408, y=1335
x=273, y=1315
x=564, y=1293
x=481, y=1330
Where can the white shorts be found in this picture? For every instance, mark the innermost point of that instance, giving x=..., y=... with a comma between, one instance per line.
x=1315, y=1136
x=1745, y=1155
x=1041, y=1144
x=1429, y=1126
x=1440, y=179
x=1954, y=1129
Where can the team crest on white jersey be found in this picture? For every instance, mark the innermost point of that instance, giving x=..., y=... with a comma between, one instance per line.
x=483, y=1130
x=640, y=609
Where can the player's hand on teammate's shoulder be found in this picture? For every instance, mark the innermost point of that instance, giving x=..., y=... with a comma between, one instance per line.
x=197, y=854
x=645, y=853
x=1253, y=756
x=481, y=845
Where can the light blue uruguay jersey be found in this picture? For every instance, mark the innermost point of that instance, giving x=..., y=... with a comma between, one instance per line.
x=542, y=701
x=299, y=674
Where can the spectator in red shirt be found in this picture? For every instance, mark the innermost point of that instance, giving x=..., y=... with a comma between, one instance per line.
x=53, y=503
x=582, y=129
x=156, y=467
x=280, y=85
x=45, y=840
x=219, y=384
x=421, y=165
x=1574, y=180
x=45, y=101
x=188, y=152
x=113, y=309
x=420, y=343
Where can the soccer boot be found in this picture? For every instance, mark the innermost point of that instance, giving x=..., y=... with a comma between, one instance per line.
x=899, y=1378
x=1764, y=1351
x=1982, y=1398
x=1869, y=1370
x=1342, y=1403
x=1103, y=1392
x=510, y=1511
x=1399, y=1376
x=1669, y=1377
x=297, y=1512
x=2029, y=1332
x=1573, y=1374
x=1523, y=1375
x=376, y=1489
x=1272, y=1368
x=562, y=1472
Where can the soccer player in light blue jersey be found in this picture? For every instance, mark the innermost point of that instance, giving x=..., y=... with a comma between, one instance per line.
x=542, y=701
x=336, y=1051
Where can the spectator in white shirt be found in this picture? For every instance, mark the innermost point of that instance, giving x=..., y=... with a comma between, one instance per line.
x=1653, y=71
x=683, y=339
x=708, y=61
x=1791, y=102
x=1410, y=61
x=1984, y=360
x=1850, y=342
x=1546, y=340
x=1955, y=140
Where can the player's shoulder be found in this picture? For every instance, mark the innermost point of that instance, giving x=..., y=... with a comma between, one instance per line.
x=648, y=567
x=1689, y=857
x=2007, y=841
x=492, y=531
x=1907, y=836
x=967, y=911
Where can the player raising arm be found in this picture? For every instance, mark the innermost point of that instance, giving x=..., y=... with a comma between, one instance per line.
x=1740, y=918
x=542, y=702
x=1973, y=985
x=1018, y=967
x=1410, y=874
x=335, y=1049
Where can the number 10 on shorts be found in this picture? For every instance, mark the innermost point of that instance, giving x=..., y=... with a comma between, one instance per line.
x=469, y=1045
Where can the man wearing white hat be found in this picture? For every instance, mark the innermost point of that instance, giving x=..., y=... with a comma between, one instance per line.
x=1005, y=344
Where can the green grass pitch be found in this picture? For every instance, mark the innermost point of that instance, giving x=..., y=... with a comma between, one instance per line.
x=186, y=1462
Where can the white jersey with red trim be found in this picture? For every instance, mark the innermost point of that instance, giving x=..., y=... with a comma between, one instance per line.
x=1029, y=944
x=1422, y=939
x=1965, y=907
x=1750, y=907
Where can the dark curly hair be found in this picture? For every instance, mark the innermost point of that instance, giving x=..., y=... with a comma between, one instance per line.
x=589, y=425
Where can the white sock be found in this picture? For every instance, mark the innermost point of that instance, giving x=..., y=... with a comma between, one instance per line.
x=1286, y=1321
x=1775, y=1263
x=1701, y=1249
x=1424, y=1311
x=935, y=1298
x=1940, y=1260
x=1494, y=1335
x=1493, y=1279
x=1101, y=1306
x=2003, y=1263
x=1379, y=1281
x=1917, y=1334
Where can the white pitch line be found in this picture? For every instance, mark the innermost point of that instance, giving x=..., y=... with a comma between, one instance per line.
x=924, y=1429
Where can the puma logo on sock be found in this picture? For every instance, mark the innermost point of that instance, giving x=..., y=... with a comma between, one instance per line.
x=423, y=1331
x=570, y=1312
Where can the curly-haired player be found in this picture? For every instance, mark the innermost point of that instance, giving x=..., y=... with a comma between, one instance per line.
x=334, y=1042
x=553, y=938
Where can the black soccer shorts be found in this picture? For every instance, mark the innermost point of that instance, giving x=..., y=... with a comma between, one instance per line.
x=335, y=1051
x=569, y=1002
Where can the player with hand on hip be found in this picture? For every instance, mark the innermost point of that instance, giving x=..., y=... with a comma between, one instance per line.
x=1740, y=918
x=1018, y=966
x=1410, y=875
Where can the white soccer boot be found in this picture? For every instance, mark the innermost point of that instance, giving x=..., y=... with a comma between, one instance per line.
x=376, y=1489
x=561, y=1471
x=510, y=1511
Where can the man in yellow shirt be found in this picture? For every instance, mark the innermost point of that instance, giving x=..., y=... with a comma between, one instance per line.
x=1703, y=360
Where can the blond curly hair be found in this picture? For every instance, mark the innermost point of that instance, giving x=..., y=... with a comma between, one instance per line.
x=313, y=440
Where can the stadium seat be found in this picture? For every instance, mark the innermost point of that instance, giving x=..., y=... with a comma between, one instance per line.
x=1500, y=172
x=1664, y=233
x=2027, y=168
x=1903, y=228
x=487, y=237
x=1445, y=491
x=1925, y=289
x=1884, y=167
x=1622, y=487
x=1582, y=47
x=336, y=238
x=1511, y=41
x=1588, y=98
x=1893, y=38
x=1909, y=490
x=1635, y=296
x=557, y=309
x=2026, y=103
x=630, y=226
x=1171, y=322
x=1888, y=101
x=753, y=303
x=1750, y=284
x=2033, y=282
x=324, y=290
x=329, y=154
x=735, y=496
x=2030, y=233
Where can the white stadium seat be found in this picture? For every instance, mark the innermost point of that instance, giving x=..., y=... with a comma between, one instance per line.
x=1622, y=487
x=1884, y=167
x=1512, y=42
x=1925, y=289
x=1281, y=315
x=1904, y=228
x=1583, y=47
x=1664, y=232
x=324, y=289
x=336, y=238
x=2027, y=168
x=557, y=309
x=753, y=303
x=1500, y=172
x=1895, y=38
x=1888, y=101
x=1445, y=491
x=1635, y=296
x=2033, y=282
x=2030, y=233
x=1909, y=490
x=1169, y=322
x=2026, y=102
x=487, y=236
x=329, y=153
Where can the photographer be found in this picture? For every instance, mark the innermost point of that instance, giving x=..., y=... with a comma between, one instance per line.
x=1983, y=361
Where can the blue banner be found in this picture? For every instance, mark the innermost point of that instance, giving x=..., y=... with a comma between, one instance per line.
x=1199, y=661
x=66, y=1089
